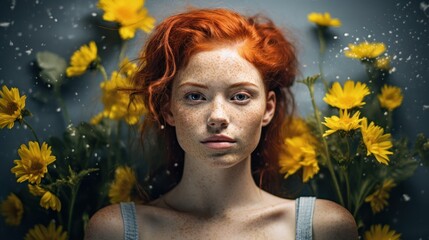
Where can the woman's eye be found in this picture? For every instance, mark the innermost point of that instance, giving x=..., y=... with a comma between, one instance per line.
x=194, y=97
x=240, y=97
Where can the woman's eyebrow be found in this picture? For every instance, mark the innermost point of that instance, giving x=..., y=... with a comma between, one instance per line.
x=193, y=84
x=243, y=84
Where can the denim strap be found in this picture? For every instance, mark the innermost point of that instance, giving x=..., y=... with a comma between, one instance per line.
x=128, y=211
x=304, y=218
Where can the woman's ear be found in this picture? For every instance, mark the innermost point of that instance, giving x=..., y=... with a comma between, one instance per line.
x=270, y=108
x=167, y=114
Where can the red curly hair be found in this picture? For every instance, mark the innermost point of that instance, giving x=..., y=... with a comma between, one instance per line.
x=177, y=38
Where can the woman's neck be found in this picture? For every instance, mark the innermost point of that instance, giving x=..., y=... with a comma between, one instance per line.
x=209, y=191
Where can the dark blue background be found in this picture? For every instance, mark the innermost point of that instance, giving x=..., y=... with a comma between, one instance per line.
x=27, y=27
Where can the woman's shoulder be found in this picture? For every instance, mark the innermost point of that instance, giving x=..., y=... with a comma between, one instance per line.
x=331, y=219
x=106, y=223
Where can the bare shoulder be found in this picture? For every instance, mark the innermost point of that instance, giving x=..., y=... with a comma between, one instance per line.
x=331, y=219
x=105, y=224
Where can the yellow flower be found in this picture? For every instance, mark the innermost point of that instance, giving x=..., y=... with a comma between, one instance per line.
x=121, y=188
x=82, y=59
x=352, y=95
x=378, y=232
x=36, y=190
x=365, y=50
x=378, y=199
x=33, y=163
x=40, y=232
x=390, y=97
x=382, y=63
x=118, y=103
x=375, y=141
x=323, y=19
x=128, y=68
x=298, y=127
x=131, y=15
x=298, y=153
x=344, y=122
x=48, y=200
x=96, y=119
x=12, y=209
x=11, y=106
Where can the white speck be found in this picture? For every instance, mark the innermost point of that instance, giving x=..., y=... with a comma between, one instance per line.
x=94, y=14
x=335, y=37
x=346, y=34
x=408, y=58
x=13, y=4
x=29, y=51
x=58, y=109
x=424, y=6
x=425, y=107
x=10, y=43
x=406, y=197
x=72, y=150
x=4, y=24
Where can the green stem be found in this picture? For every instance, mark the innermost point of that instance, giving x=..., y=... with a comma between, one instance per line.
x=364, y=191
x=74, y=190
x=322, y=49
x=32, y=130
x=346, y=175
x=123, y=50
x=325, y=146
x=102, y=71
x=66, y=116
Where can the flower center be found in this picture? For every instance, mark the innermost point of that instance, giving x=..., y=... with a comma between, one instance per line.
x=37, y=167
x=11, y=107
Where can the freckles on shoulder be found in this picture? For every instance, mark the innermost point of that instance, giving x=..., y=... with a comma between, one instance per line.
x=105, y=224
x=332, y=220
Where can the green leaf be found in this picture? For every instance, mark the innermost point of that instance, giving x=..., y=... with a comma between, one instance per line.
x=402, y=163
x=422, y=148
x=309, y=81
x=52, y=67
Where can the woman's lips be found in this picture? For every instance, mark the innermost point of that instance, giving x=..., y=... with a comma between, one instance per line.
x=218, y=142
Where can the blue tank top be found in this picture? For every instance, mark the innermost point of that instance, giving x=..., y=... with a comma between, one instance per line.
x=304, y=219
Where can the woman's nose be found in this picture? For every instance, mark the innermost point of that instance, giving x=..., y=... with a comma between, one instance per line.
x=218, y=116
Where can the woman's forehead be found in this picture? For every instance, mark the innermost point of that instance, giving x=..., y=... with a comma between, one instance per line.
x=221, y=63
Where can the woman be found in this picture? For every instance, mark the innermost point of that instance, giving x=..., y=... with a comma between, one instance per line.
x=217, y=84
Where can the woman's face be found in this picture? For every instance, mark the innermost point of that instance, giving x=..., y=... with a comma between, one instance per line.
x=218, y=107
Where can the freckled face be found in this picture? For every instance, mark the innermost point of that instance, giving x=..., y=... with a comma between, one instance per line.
x=218, y=107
